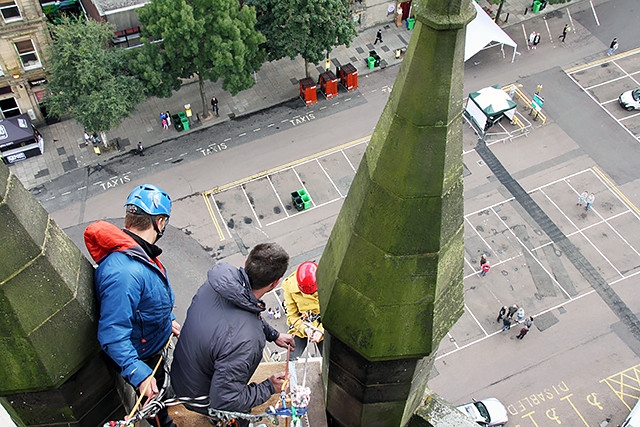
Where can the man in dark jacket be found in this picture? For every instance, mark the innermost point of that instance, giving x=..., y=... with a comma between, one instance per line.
x=223, y=336
x=135, y=299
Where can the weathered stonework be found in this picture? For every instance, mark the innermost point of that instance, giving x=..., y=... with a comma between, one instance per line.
x=51, y=372
x=391, y=276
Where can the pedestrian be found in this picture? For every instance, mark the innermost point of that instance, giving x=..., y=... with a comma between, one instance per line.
x=613, y=46
x=582, y=198
x=162, y=116
x=536, y=40
x=135, y=299
x=506, y=324
x=485, y=269
x=528, y=322
x=214, y=105
x=378, y=37
x=270, y=313
x=483, y=259
x=224, y=335
x=276, y=313
x=168, y=118
x=522, y=333
x=565, y=30
x=502, y=313
x=538, y=88
x=165, y=125
x=140, y=150
x=532, y=36
x=303, y=307
x=519, y=315
x=512, y=310
x=590, y=200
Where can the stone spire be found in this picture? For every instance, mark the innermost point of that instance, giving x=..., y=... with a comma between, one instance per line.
x=391, y=276
x=48, y=347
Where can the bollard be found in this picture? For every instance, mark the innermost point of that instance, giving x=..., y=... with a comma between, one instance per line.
x=507, y=18
x=525, y=10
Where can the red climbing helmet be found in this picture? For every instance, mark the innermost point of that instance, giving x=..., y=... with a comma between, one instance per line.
x=306, y=277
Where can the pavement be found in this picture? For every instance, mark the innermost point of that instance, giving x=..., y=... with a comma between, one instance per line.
x=276, y=83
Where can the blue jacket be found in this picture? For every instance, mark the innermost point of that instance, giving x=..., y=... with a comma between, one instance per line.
x=221, y=343
x=135, y=300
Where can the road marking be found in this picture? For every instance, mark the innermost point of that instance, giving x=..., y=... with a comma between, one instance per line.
x=272, y=124
x=242, y=134
x=169, y=159
x=615, y=189
x=213, y=217
x=82, y=188
x=329, y=178
x=142, y=168
x=227, y=139
x=65, y=193
x=284, y=209
x=155, y=164
x=255, y=215
x=182, y=155
x=256, y=130
x=289, y=165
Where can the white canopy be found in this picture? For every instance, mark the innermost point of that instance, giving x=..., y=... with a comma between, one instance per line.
x=483, y=33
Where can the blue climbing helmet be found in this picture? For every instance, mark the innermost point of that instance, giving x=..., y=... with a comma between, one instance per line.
x=148, y=199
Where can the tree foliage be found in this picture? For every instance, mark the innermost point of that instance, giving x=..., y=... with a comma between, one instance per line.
x=303, y=27
x=212, y=39
x=89, y=79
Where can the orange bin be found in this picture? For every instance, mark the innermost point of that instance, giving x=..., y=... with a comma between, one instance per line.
x=348, y=76
x=308, y=90
x=328, y=84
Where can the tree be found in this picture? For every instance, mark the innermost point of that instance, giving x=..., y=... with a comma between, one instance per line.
x=302, y=27
x=88, y=78
x=212, y=39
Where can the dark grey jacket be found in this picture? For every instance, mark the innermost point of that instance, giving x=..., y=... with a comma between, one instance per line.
x=221, y=343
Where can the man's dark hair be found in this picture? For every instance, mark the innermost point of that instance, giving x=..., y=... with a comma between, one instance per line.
x=139, y=222
x=266, y=263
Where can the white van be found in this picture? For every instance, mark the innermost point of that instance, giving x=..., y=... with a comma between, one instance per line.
x=633, y=420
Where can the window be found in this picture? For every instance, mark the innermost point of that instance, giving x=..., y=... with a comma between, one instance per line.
x=27, y=54
x=10, y=11
x=9, y=107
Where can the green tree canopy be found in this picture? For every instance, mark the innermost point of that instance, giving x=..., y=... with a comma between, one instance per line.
x=303, y=27
x=88, y=79
x=212, y=39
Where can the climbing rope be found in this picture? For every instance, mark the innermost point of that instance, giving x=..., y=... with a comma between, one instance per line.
x=292, y=405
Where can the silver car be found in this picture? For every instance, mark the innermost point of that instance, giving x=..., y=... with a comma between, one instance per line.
x=630, y=100
x=486, y=412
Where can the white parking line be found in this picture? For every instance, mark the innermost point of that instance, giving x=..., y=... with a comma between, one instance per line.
x=250, y=205
x=329, y=178
x=348, y=161
x=226, y=226
x=284, y=209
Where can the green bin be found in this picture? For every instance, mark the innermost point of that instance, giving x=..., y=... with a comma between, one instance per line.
x=302, y=192
x=306, y=201
x=535, y=8
x=410, y=23
x=371, y=62
x=185, y=123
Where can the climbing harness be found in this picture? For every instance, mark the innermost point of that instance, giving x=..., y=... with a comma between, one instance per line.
x=292, y=405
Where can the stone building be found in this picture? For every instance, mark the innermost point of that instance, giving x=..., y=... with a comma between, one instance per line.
x=23, y=43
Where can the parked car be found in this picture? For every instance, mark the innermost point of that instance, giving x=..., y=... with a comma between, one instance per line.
x=630, y=100
x=633, y=420
x=486, y=412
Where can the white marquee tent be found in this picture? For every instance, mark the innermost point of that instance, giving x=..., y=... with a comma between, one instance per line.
x=483, y=33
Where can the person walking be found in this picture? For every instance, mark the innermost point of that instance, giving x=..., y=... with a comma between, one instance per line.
x=483, y=259
x=214, y=105
x=528, y=322
x=613, y=46
x=520, y=315
x=536, y=40
x=485, y=269
x=135, y=300
x=565, y=30
x=582, y=198
x=502, y=313
x=512, y=310
x=522, y=333
x=532, y=36
x=140, y=150
x=590, y=200
x=224, y=335
x=506, y=324
x=168, y=118
x=378, y=37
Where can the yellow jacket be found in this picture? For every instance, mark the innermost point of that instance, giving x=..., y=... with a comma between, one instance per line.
x=298, y=304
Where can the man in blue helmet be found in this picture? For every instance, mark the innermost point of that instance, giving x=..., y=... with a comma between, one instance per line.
x=135, y=299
